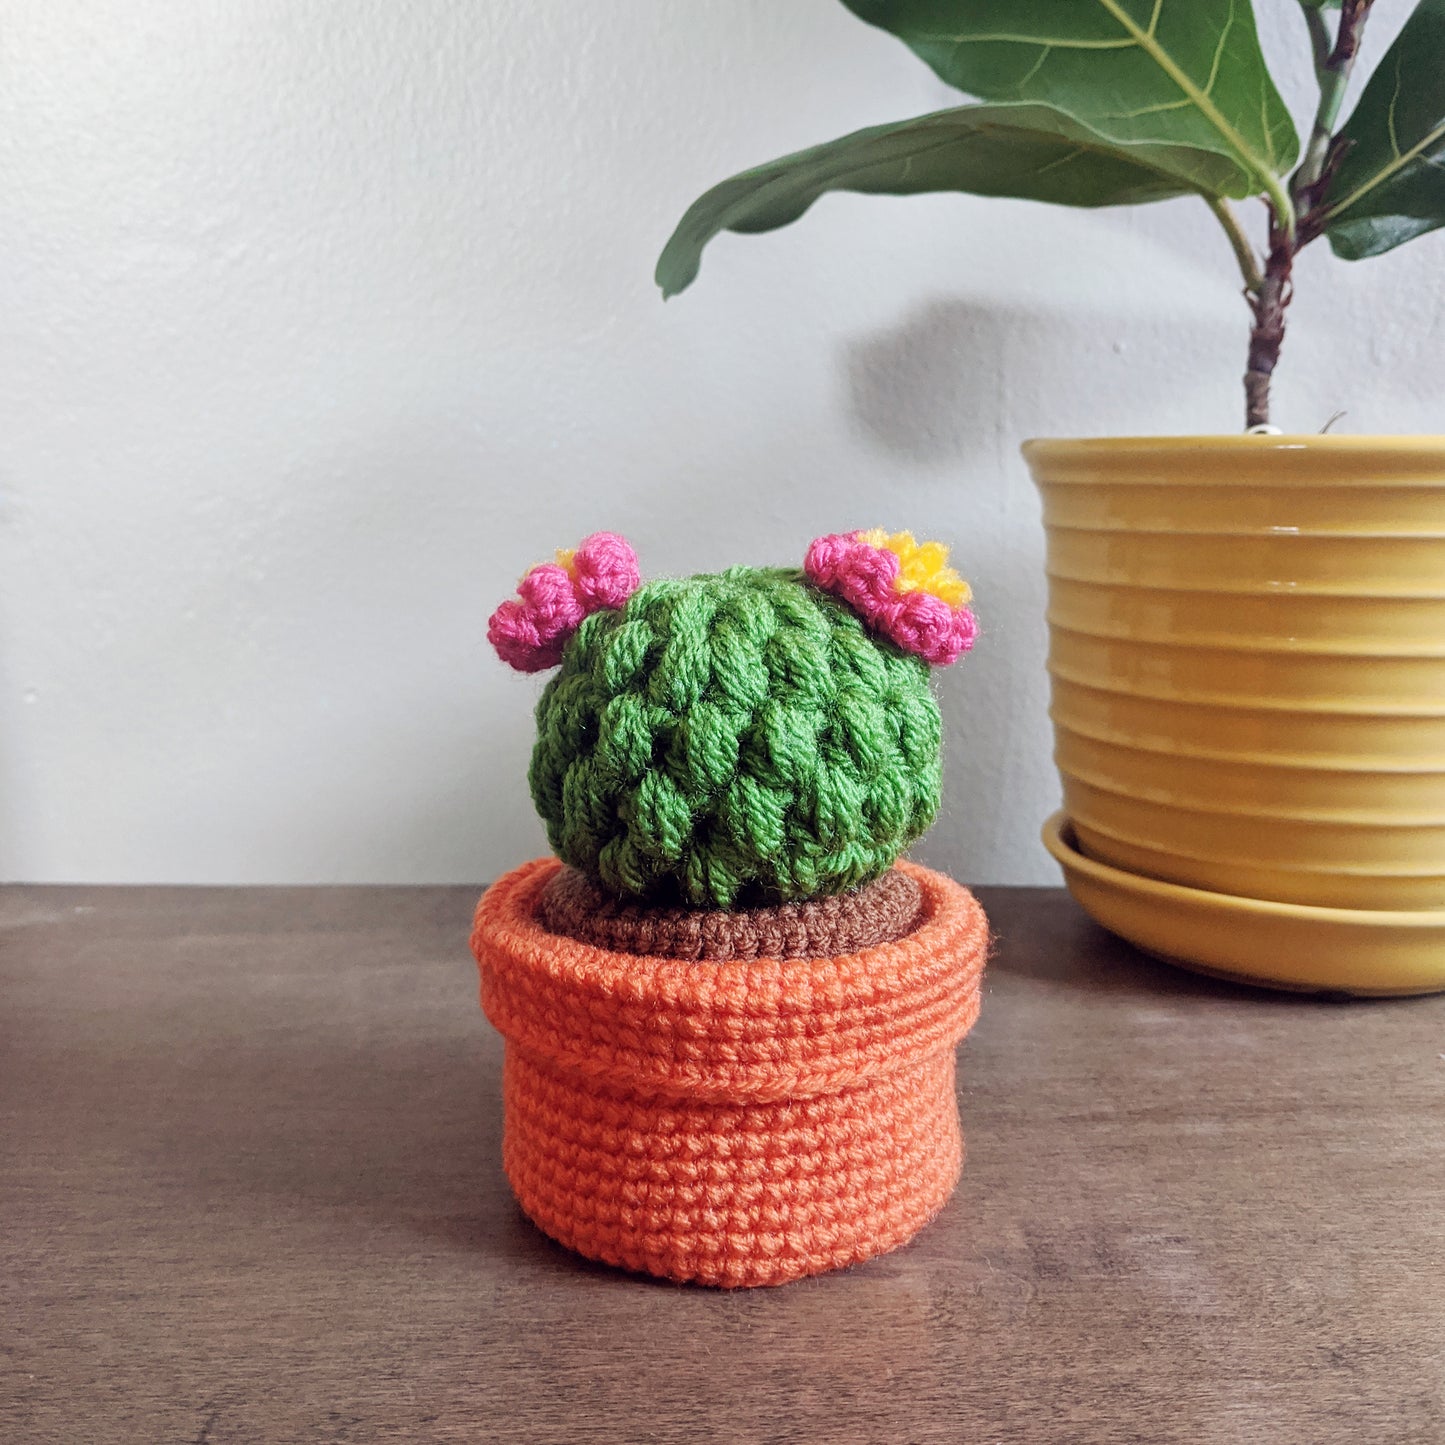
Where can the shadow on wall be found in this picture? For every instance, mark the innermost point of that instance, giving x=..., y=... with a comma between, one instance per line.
x=999, y=782
x=963, y=381
x=930, y=389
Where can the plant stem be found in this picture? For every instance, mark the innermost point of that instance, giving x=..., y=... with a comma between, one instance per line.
x=1320, y=38
x=1243, y=251
x=1333, y=64
x=1293, y=228
x=1266, y=336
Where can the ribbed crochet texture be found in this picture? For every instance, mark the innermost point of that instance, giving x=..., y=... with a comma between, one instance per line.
x=573, y=905
x=730, y=1123
x=738, y=738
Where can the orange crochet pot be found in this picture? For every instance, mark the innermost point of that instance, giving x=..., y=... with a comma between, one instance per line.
x=736, y=1122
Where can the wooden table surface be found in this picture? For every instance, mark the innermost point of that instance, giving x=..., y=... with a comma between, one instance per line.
x=251, y=1192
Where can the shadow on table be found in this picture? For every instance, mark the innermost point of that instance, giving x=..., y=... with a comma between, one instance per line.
x=1044, y=935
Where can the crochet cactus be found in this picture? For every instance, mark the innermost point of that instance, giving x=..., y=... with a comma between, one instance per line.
x=761, y=735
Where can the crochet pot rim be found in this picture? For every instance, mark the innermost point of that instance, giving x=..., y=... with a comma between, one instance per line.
x=609, y=973
x=729, y=1030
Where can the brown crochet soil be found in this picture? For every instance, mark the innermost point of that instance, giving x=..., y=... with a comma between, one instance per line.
x=879, y=912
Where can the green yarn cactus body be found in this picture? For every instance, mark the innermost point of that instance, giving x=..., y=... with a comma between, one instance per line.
x=733, y=739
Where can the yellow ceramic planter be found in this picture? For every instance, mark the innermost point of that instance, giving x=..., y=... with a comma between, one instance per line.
x=1248, y=663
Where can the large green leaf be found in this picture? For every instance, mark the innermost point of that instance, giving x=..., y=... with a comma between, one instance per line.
x=1186, y=72
x=1390, y=186
x=1032, y=152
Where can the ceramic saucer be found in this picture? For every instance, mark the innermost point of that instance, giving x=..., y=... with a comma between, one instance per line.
x=1280, y=945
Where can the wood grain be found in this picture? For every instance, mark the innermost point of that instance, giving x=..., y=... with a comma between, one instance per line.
x=251, y=1194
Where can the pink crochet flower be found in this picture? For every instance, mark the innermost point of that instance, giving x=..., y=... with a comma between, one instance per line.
x=904, y=589
x=530, y=631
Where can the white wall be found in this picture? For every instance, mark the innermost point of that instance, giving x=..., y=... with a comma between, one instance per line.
x=321, y=319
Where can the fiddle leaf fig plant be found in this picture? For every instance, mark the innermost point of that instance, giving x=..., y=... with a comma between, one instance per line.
x=1122, y=102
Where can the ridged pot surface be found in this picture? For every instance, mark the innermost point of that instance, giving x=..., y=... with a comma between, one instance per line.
x=1247, y=653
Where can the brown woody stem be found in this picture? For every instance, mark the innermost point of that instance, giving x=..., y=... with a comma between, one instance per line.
x=1267, y=334
x=1308, y=188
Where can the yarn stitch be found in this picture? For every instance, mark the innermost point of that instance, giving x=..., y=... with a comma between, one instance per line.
x=904, y=589
x=731, y=1123
x=735, y=739
x=531, y=632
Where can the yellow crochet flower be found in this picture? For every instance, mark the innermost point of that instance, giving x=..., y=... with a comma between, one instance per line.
x=922, y=566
